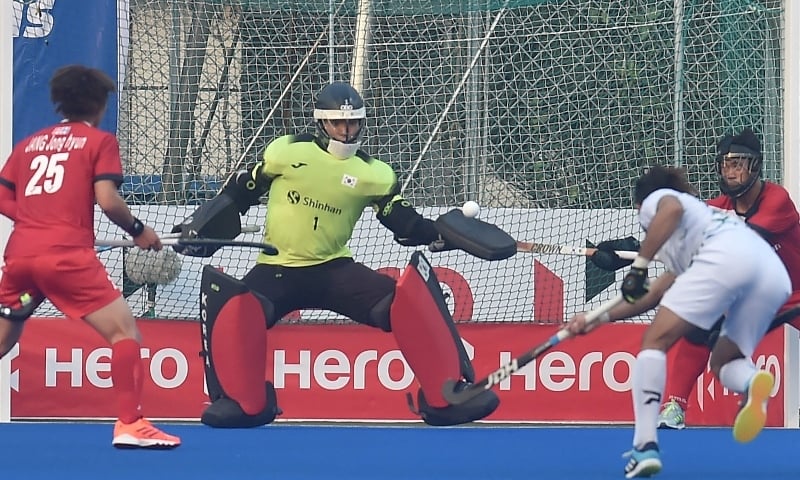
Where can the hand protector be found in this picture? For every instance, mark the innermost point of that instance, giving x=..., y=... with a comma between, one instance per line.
x=476, y=237
x=217, y=218
x=605, y=257
x=635, y=284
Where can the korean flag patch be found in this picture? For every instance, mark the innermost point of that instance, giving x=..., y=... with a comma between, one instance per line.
x=349, y=181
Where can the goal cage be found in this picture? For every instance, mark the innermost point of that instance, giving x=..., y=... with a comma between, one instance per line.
x=543, y=111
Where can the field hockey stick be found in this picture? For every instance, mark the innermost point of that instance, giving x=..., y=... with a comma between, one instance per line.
x=28, y=305
x=245, y=229
x=164, y=236
x=456, y=396
x=543, y=248
x=193, y=242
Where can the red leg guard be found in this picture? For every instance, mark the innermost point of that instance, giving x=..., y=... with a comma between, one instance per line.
x=685, y=362
x=422, y=332
x=240, y=352
x=234, y=324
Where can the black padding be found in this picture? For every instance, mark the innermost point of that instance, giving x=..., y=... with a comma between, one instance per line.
x=268, y=307
x=473, y=409
x=379, y=314
x=475, y=237
x=217, y=218
x=226, y=413
x=216, y=288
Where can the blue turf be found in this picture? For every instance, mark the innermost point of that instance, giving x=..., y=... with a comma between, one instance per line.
x=83, y=451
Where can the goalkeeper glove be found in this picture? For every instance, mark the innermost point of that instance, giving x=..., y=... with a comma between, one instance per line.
x=606, y=258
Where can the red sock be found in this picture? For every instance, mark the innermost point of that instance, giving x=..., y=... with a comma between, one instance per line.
x=685, y=362
x=126, y=374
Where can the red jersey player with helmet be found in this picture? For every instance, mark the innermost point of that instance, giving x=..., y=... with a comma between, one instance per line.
x=768, y=209
x=48, y=187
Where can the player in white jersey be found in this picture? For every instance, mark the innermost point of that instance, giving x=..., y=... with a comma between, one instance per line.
x=715, y=265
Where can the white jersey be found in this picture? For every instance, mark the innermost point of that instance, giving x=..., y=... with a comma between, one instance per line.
x=698, y=223
x=722, y=267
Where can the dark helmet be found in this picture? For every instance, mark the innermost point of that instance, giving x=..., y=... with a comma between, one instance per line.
x=339, y=100
x=744, y=146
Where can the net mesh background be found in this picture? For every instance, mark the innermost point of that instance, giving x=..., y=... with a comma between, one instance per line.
x=542, y=111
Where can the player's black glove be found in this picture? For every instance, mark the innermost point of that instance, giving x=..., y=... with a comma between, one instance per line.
x=635, y=284
x=606, y=258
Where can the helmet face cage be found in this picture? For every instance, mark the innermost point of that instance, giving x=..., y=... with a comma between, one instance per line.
x=742, y=147
x=340, y=101
x=754, y=163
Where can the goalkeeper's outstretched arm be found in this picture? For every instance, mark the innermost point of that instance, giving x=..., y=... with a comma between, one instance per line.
x=409, y=227
x=219, y=218
x=450, y=231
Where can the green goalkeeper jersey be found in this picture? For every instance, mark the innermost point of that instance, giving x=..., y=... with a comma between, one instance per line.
x=316, y=199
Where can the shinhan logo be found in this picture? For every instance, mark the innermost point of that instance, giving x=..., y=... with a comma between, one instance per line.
x=293, y=197
x=299, y=164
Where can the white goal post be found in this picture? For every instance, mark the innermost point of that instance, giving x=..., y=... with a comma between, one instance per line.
x=791, y=180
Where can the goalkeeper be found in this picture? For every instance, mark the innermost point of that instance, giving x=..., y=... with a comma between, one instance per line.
x=318, y=186
x=764, y=206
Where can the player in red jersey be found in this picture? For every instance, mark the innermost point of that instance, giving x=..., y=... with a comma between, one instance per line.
x=48, y=187
x=768, y=209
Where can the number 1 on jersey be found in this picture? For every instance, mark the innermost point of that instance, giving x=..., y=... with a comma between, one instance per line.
x=316, y=222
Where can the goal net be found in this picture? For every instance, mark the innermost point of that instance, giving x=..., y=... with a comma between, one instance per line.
x=542, y=111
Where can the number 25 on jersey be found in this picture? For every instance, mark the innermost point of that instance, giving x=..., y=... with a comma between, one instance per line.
x=48, y=175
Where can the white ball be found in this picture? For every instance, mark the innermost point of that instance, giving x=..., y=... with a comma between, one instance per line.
x=471, y=209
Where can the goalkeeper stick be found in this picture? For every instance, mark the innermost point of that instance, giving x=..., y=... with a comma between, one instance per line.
x=105, y=245
x=245, y=229
x=528, y=247
x=199, y=242
x=457, y=397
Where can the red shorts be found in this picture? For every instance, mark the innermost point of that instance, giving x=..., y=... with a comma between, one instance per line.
x=74, y=281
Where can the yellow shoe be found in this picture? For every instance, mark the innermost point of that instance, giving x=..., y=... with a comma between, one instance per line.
x=142, y=434
x=753, y=415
